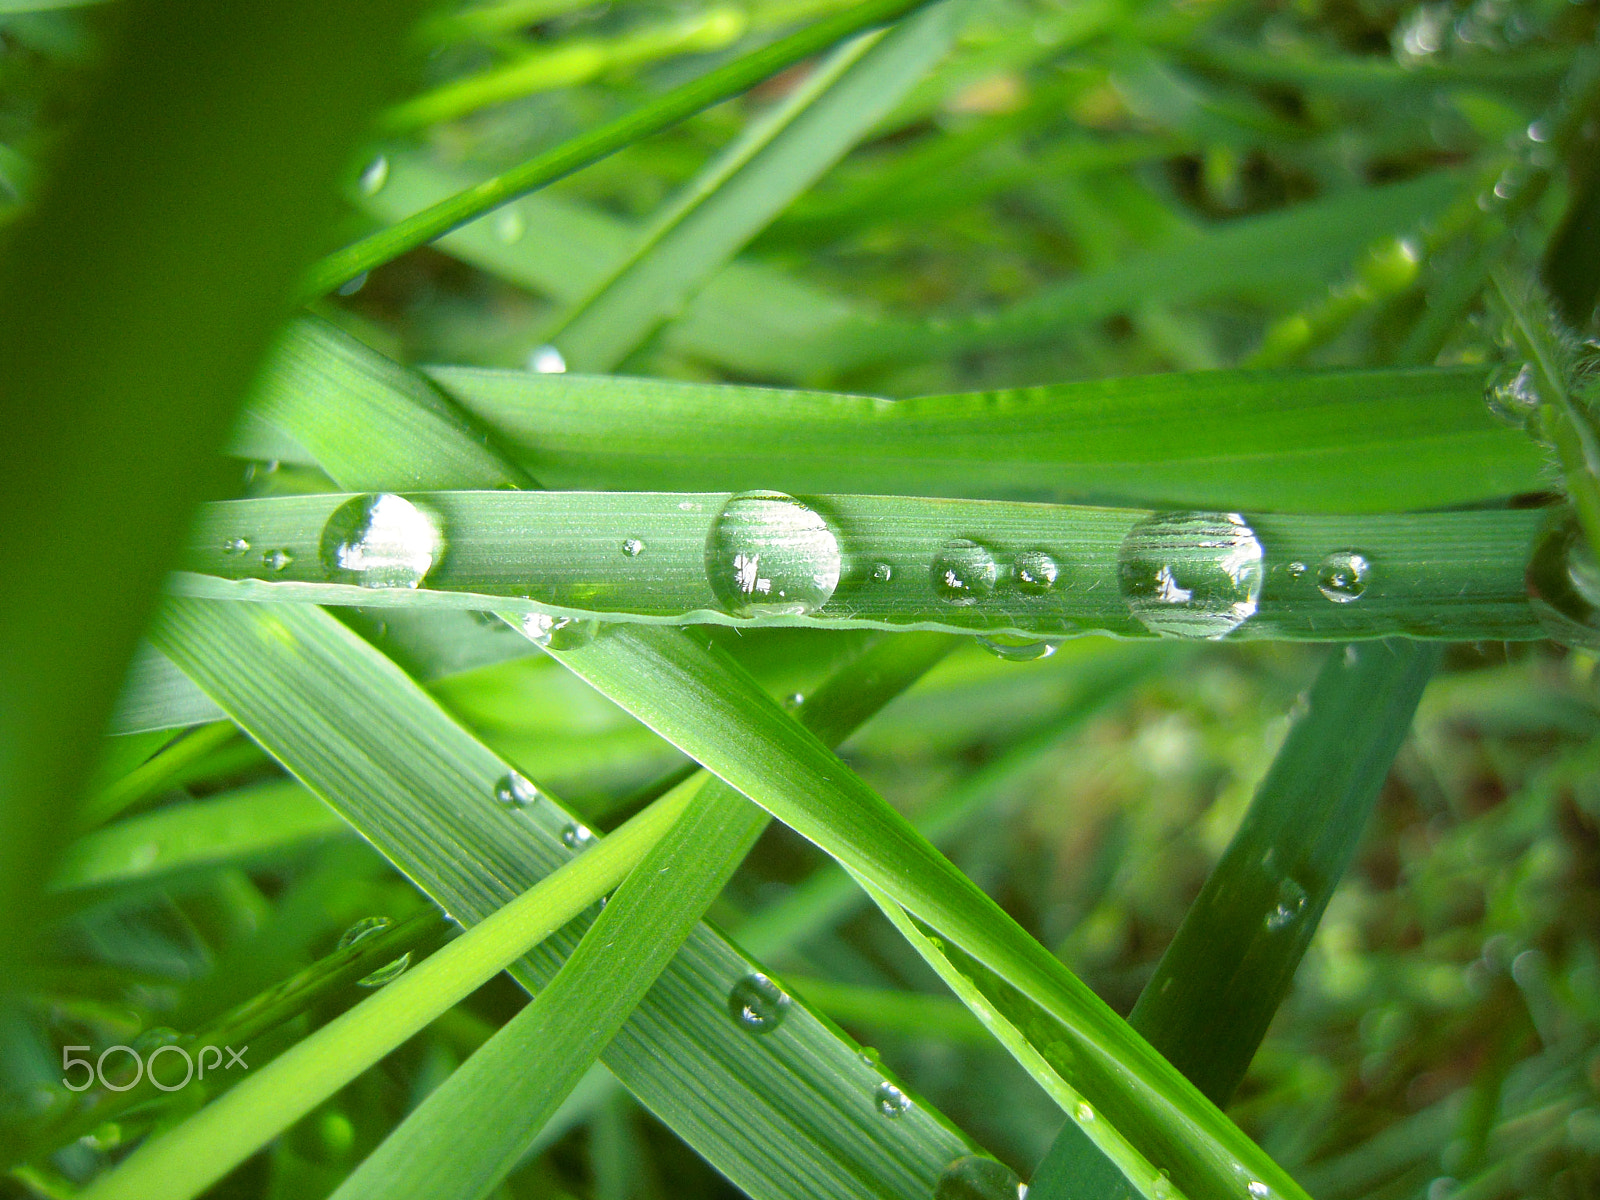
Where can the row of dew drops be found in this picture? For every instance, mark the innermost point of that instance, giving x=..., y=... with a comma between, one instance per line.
x=1181, y=574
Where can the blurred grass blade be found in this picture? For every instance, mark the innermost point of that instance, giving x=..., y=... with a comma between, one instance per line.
x=1323, y=441
x=1231, y=963
x=194, y=188
x=156, y=695
x=1455, y=575
x=683, y=101
x=474, y=1128
x=160, y=771
x=185, y=1160
x=703, y=702
x=756, y=178
x=240, y=825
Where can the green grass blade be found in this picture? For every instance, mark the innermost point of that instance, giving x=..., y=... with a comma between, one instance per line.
x=740, y=192
x=1456, y=575
x=1348, y=441
x=241, y=825
x=157, y=773
x=469, y=1133
x=1209, y=1003
x=139, y=290
x=185, y=1160
x=156, y=695
x=684, y=101
x=704, y=703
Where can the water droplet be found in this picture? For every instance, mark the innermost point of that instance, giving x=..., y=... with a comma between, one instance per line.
x=577, y=836
x=1511, y=394
x=558, y=633
x=380, y=541
x=963, y=572
x=1291, y=903
x=1342, y=576
x=1161, y=1187
x=1259, y=1190
x=794, y=700
x=882, y=572
x=353, y=285
x=365, y=928
x=890, y=1100
x=633, y=547
x=103, y=1137
x=374, y=176
x=758, y=1004
x=1017, y=649
x=1083, y=1112
x=277, y=560
x=515, y=790
x=869, y=1056
x=978, y=1177
x=1296, y=569
x=1191, y=574
x=235, y=546
x=1563, y=583
x=1035, y=572
x=547, y=360
x=509, y=226
x=769, y=555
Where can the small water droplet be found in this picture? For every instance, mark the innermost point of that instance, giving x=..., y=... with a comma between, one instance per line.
x=769, y=555
x=1259, y=1190
x=1342, y=576
x=1191, y=574
x=103, y=1137
x=547, y=360
x=277, y=560
x=794, y=700
x=380, y=541
x=978, y=1177
x=577, y=836
x=882, y=572
x=509, y=226
x=1083, y=1112
x=1563, y=584
x=558, y=633
x=963, y=572
x=1291, y=903
x=1296, y=569
x=758, y=1004
x=365, y=928
x=1035, y=572
x=633, y=547
x=374, y=176
x=1017, y=649
x=1511, y=394
x=353, y=285
x=515, y=790
x=869, y=1056
x=890, y=1100
x=236, y=545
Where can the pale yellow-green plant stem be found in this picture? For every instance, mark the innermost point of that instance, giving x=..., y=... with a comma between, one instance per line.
x=190, y=1157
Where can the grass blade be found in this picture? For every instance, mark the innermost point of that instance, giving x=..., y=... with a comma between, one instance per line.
x=1451, y=575
x=755, y=179
x=717, y=85
x=1347, y=441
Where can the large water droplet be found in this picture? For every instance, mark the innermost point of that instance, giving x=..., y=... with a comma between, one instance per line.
x=559, y=633
x=1564, y=586
x=1035, y=572
x=515, y=790
x=963, y=572
x=1511, y=394
x=1191, y=574
x=758, y=1004
x=978, y=1177
x=1291, y=903
x=547, y=360
x=1342, y=576
x=890, y=1100
x=769, y=555
x=380, y=541
x=374, y=176
x=365, y=928
x=1017, y=649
